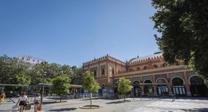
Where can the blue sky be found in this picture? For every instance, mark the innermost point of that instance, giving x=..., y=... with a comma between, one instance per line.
x=74, y=31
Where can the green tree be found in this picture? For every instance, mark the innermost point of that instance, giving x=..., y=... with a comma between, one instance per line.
x=10, y=67
x=23, y=78
x=77, y=76
x=61, y=85
x=66, y=69
x=44, y=72
x=183, y=25
x=124, y=86
x=90, y=84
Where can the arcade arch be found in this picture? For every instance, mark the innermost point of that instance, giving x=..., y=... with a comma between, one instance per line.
x=178, y=86
x=148, y=88
x=197, y=86
x=162, y=87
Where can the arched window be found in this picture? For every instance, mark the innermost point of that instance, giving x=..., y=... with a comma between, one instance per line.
x=138, y=68
x=147, y=81
x=131, y=69
x=164, y=65
x=177, y=82
x=196, y=80
x=155, y=66
x=178, y=87
x=162, y=88
x=136, y=89
x=198, y=87
x=161, y=81
x=103, y=71
x=113, y=71
x=136, y=83
x=148, y=89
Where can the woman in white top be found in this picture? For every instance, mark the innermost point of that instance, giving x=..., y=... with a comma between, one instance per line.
x=22, y=101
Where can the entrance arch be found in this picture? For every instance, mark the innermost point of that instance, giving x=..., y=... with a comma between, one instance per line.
x=178, y=87
x=136, y=89
x=198, y=88
x=148, y=88
x=162, y=88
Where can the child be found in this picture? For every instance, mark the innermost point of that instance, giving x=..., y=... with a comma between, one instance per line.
x=36, y=102
x=39, y=108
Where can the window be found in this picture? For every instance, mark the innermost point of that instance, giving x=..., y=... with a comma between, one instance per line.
x=164, y=65
x=130, y=69
x=155, y=66
x=95, y=73
x=145, y=67
x=138, y=68
x=113, y=71
x=103, y=71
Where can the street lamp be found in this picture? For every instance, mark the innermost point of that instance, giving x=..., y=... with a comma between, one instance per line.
x=42, y=91
x=42, y=87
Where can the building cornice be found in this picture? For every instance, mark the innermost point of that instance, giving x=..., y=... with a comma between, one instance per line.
x=163, y=70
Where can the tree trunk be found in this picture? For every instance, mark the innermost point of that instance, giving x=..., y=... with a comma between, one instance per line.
x=90, y=100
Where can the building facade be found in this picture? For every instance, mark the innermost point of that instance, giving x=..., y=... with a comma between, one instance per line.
x=30, y=59
x=150, y=76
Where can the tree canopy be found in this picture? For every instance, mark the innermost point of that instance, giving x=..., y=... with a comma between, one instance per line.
x=11, y=69
x=89, y=83
x=61, y=85
x=183, y=25
x=23, y=78
x=16, y=71
x=124, y=86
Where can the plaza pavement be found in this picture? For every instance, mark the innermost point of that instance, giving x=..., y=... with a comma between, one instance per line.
x=134, y=105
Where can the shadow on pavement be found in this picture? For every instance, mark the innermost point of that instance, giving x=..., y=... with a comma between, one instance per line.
x=51, y=102
x=117, y=102
x=196, y=110
x=9, y=111
x=63, y=109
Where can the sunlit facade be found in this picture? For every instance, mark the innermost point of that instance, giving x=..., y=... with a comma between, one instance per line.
x=150, y=76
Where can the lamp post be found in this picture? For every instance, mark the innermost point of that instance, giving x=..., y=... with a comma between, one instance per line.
x=42, y=86
x=41, y=92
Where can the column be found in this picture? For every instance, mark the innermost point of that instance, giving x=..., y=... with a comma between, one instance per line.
x=187, y=85
x=169, y=85
x=155, y=90
x=154, y=86
x=170, y=89
x=142, y=87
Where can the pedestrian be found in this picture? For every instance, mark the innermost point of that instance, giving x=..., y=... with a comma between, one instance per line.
x=40, y=108
x=22, y=102
x=36, y=102
x=2, y=97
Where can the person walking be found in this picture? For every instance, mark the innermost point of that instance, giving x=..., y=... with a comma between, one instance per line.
x=2, y=97
x=36, y=102
x=22, y=101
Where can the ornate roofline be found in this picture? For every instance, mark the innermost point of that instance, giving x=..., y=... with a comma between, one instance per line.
x=107, y=57
x=132, y=61
x=145, y=59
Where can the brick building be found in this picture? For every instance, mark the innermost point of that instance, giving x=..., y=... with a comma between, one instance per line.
x=150, y=76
